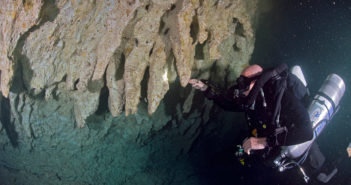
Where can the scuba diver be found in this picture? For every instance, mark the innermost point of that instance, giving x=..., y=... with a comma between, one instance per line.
x=282, y=129
x=272, y=101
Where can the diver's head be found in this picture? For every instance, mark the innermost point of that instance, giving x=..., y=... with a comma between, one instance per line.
x=247, y=78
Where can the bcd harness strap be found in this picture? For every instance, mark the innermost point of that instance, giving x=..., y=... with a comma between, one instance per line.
x=263, y=79
x=275, y=120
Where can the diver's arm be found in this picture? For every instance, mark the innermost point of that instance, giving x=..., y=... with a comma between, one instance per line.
x=223, y=98
x=299, y=125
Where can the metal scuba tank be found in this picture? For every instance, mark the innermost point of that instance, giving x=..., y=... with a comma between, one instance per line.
x=321, y=110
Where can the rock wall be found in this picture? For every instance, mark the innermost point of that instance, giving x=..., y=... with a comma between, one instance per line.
x=70, y=68
x=85, y=43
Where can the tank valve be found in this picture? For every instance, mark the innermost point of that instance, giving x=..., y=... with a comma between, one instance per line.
x=305, y=177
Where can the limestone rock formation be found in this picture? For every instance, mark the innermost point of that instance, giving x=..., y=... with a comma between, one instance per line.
x=182, y=44
x=87, y=44
x=118, y=70
x=116, y=97
x=145, y=34
x=16, y=18
x=158, y=81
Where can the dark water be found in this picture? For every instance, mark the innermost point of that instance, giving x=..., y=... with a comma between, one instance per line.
x=315, y=34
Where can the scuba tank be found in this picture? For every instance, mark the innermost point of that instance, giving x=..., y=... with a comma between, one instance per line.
x=321, y=110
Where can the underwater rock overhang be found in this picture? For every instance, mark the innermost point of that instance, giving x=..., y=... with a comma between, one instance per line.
x=83, y=47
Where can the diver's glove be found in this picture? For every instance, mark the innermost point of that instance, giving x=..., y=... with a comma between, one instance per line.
x=212, y=90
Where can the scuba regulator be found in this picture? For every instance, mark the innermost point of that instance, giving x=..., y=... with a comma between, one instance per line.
x=243, y=84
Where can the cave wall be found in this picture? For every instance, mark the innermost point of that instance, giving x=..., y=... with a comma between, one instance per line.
x=96, y=92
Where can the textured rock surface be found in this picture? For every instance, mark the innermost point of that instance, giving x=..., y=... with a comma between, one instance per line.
x=16, y=19
x=116, y=97
x=145, y=34
x=183, y=46
x=74, y=41
x=83, y=63
x=158, y=80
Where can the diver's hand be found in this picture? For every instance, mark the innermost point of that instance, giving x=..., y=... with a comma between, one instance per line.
x=254, y=143
x=197, y=84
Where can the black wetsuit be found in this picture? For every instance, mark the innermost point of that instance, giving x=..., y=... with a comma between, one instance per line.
x=293, y=114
